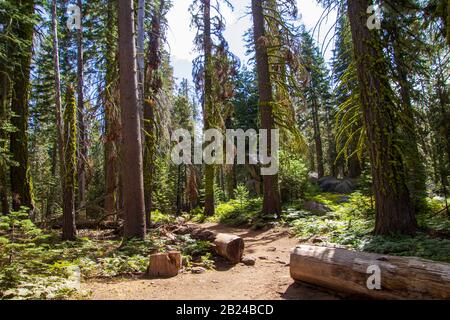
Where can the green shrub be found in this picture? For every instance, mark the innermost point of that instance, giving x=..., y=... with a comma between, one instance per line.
x=293, y=175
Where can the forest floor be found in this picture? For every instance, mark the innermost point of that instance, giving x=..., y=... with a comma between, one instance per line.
x=268, y=279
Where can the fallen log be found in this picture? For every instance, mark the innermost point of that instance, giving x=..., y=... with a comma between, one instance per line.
x=164, y=265
x=371, y=275
x=228, y=246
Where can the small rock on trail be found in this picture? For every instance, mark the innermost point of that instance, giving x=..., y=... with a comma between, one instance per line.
x=249, y=261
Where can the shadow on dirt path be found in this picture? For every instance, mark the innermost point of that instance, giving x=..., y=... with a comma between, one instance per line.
x=268, y=279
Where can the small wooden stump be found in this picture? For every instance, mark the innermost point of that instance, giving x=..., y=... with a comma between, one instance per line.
x=164, y=265
x=229, y=246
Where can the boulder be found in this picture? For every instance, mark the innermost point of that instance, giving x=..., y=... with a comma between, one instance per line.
x=316, y=207
x=345, y=187
x=329, y=184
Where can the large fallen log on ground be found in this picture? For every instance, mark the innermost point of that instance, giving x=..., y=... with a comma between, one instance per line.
x=355, y=272
x=228, y=246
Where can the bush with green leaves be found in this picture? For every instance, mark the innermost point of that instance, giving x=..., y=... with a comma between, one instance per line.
x=293, y=175
x=351, y=224
x=36, y=265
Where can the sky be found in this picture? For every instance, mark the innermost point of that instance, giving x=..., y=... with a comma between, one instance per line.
x=181, y=37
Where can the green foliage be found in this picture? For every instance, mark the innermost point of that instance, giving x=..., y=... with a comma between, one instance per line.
x=159, y=217
x=420, y=246
x=35, y=265
x=240, y=211
x=351, y=223
x=293, y=175
x=347, y=224
x=29, y=269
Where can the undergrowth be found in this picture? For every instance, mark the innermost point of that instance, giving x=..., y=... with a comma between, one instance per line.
x=351, y=222
x=36, y=265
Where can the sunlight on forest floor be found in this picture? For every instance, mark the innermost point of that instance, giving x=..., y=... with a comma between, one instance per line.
x=34, y=263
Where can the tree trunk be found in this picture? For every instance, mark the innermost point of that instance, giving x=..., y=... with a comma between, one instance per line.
x=394, y=211
x=331, y=152
x=318, y=139
x=5, y=100
x=58, y=117
x=353, y=164
x=112, y=115
x=153, y=85
x=133, y=184
x=271, y=198
x=70, y=169
x=21, y=185
x=140, y=54
x=209, y=209
x=352, y=272
x=82, y=138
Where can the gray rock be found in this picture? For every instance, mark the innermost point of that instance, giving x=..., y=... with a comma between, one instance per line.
x=345, y=187
x=248, y=261
x=198, y=270
x=313, y=177
x=331, y=184
x=316, y=207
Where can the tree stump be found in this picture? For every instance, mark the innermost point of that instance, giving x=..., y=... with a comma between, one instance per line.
x=229, y=246
x=356, y=272
x=164, y=265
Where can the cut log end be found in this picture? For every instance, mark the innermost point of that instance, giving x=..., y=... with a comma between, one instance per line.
x=164, y=265
x=230, y=247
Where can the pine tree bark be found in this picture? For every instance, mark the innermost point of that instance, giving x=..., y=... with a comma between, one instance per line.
x=271, y=198
x=70, y=166
x=69, y=232
x=394, y=211
x=82, y=138
x=318, y=139
x=112, y=115
x=21, y=185
x=5, y=99
x=209, y=209
x=152, y=86
x=140, y=53
x=133, y=184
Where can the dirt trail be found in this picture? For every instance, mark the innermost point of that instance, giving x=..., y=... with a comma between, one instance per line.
x=268, y=279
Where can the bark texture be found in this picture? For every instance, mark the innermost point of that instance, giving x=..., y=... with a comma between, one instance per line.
x=350, y=272
x=208, y=104
x=394, y=211
x=133, y=184
x=271, y=197
x=21, y=185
